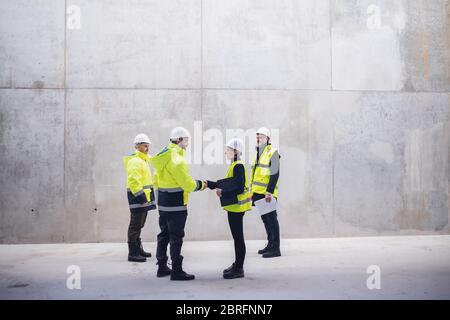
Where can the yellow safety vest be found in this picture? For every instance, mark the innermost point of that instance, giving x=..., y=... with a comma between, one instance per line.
x=260, y=174
x=139, y=179
x=245, y=198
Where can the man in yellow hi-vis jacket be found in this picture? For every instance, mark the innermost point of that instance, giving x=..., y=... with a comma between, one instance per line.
x=174, y=185
x=140, y=193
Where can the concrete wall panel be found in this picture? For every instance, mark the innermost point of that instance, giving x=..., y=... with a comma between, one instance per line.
x=391, y=45
x=266, y=44
x=135, y=44
x=101, y=125
x=32, y=158
x=305, y=144
x=391, y=163
x=32, y=44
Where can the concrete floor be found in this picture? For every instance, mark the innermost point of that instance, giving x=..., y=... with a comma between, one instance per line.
x=411, y=268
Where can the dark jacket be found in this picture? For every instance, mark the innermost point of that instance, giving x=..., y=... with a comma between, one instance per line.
x=238, y=182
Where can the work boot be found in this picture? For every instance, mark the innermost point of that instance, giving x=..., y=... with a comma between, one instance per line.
x=141, y=249
x=133, y=253
x=178, y=273
x=272, y=252
x=265, y=249
x=181, y=276
x=234, y=272
x=229, y=268
x=163, y=269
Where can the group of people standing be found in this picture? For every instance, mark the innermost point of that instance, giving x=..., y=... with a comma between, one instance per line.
x=174, y=183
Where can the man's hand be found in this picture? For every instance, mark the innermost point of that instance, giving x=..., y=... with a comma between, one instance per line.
x=219, y=192
x=268, y=197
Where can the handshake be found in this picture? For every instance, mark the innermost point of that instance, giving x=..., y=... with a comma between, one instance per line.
x=213, y=186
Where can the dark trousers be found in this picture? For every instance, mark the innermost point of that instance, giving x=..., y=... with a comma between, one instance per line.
x=235, y=220
x=137, y=222
x=272, y=226
x=172, y=231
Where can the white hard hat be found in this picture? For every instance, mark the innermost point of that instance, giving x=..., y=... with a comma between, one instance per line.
x=236, y=144
x=179, y=132
x=264, y=131
x=142, y=138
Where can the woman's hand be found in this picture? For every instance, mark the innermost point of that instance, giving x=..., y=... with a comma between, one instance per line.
x=219, y=192
x=211, y=184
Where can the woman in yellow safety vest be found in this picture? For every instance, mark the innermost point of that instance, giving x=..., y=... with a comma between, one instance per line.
x=239, y=191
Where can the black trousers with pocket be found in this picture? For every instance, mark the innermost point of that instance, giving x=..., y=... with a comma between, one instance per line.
x=137, y=222
x=172, y=232
x=271, y=224
x=272, y=227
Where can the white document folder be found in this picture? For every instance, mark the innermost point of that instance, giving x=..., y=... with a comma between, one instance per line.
x=264, y=207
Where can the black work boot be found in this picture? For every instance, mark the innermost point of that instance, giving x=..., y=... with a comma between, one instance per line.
x=229, y=268
x=133, y=253
x=265, y=249
x=163, y=269
x=273, y=251
x=141, y=249
x=178, y=273
x=234, y=272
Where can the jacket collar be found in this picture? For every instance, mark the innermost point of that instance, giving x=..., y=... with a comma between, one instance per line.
x=142, y=155
x=176, y=147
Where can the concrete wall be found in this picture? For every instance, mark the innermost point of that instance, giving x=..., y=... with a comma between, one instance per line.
x=358, y=91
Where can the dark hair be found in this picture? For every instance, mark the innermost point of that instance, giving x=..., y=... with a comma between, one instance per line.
x=176, y=141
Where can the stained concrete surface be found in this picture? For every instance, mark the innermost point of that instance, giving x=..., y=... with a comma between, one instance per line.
x=392, y=52
x=410, y=268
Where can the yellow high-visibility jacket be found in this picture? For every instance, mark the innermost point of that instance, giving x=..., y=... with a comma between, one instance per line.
x=173, y=179
x=140, y=190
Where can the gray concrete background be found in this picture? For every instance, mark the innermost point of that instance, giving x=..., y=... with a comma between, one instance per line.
x=362, y=111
